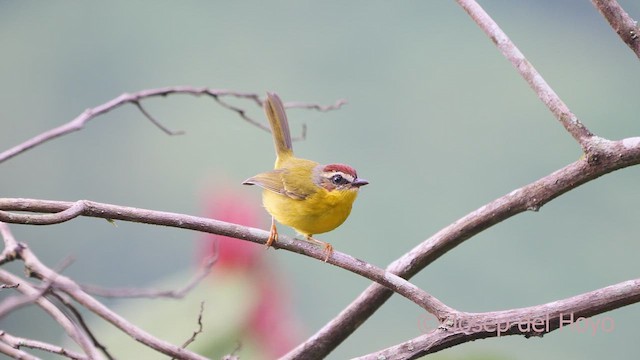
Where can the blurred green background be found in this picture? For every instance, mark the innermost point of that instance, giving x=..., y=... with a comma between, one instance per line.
x=437, y=120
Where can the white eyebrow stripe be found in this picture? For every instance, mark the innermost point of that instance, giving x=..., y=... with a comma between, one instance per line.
x=348, y=177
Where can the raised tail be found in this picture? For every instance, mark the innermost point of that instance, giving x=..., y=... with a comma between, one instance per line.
x=274, y=109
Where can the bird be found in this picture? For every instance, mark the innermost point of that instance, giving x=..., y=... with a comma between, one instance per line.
x=307, y=196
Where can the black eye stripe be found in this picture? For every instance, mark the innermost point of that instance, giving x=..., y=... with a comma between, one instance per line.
x=348, y=177
x=339, y=179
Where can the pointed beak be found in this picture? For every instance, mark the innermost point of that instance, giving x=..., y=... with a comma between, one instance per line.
x=359, y=182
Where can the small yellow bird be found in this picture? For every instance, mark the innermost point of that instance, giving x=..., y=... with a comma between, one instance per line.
x=307, y=196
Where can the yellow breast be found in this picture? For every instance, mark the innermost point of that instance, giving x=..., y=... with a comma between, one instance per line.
x=320, y=212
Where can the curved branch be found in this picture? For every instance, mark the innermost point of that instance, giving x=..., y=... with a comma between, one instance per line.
x=607, y=156
x=621, y=22
x=61, y=211
x=135, y=98
x=549, y=97
x=530, y=321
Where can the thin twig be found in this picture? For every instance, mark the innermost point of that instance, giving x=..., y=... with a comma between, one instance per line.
x=154, y=121
x=135, y=98
x=198, y=330
x=305, y=105
x=623, y=24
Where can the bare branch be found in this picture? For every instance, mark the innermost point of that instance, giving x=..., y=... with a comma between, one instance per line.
x=64, y=211
x=9, y=253
x=68, y=326
x=18, y=342
x=135, y=98
x=93, y=209
x=154, y=121
x=60, y=282
x=13, y=303
x=15, y=353
x=549, y=97
x=621, y=22
x=79, y=319
x=531, y=321
x=74, y=291
x=305, y=105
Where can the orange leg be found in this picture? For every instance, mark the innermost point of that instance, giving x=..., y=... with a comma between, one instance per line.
x=273, y=234
x=328, y=248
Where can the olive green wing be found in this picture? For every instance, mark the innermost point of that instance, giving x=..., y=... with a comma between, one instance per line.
x=274, y=180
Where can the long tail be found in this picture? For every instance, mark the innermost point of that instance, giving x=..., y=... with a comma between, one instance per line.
x=279, y=126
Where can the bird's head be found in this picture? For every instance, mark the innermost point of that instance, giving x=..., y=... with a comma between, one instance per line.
x=338, y=177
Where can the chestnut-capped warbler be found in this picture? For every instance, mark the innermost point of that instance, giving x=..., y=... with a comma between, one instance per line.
x=307, y=196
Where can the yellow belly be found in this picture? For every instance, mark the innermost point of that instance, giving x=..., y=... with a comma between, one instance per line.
x=318, y=213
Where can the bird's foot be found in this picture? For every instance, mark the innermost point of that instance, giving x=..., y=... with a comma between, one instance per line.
x=328, y=248
x=273, y=234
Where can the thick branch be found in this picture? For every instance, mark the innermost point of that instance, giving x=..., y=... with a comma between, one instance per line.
x=613, y=155
x=621, y=22
x=528, y=72
x=60, y=211
x=531, y=321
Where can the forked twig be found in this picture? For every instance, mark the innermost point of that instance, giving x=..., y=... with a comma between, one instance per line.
x=135, y=98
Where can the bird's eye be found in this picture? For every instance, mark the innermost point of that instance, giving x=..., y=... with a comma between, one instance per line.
x=338, y=179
